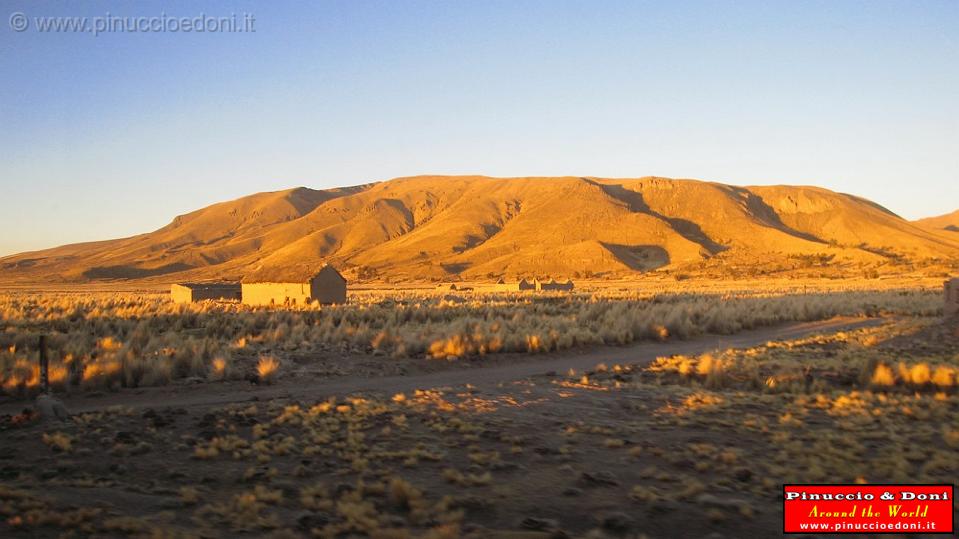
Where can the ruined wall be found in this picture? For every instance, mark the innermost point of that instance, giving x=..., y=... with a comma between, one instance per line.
x=181, y=294
x=276, y=293
x=561, y=287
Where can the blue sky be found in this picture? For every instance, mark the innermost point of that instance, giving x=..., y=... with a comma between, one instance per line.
x=110, y=135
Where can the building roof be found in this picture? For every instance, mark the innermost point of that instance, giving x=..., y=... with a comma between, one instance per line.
x=303, y=273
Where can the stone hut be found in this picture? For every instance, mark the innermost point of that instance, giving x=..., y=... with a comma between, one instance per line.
x=193, y=292
x=952, y=297
x=294, y=286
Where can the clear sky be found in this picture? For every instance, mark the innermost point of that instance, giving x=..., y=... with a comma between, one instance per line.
x=108, y=135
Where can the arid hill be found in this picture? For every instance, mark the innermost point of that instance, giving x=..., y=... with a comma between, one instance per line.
x=471, y=226
x=948, y=222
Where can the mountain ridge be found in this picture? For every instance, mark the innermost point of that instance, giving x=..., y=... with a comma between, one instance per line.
x=436, y=227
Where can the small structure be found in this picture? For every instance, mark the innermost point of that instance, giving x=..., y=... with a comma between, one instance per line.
x=952, y=297
x=446, y=286
x=192, y=292
x=503, y=286
x=294, y=286
x=553, y=285
x=525, y=285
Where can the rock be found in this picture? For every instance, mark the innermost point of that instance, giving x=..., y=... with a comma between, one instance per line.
x=662, y=507
x=394, y=521
x=307, y=521
x=469, y=528
x=9, y=472
x=743, y=475
x=51, y=409
x=539, y=524
x=599, y=479
x=476, y=503
x=617, y=522
x=159, y=420
x=573, y=491
x=724, y=503
x=141, y=448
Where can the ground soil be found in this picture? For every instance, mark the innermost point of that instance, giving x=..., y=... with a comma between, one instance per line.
x=562, y=456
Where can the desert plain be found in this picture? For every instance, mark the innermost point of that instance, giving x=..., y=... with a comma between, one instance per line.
x=708, y=354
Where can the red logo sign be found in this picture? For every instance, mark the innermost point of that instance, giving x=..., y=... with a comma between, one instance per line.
x=868, y=509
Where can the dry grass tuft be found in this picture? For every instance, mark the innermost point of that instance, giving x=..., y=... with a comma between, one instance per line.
x=266, y=368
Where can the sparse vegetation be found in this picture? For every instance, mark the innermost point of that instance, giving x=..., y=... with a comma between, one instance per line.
x=266, y=368
x=698, y=441
x=124, y=340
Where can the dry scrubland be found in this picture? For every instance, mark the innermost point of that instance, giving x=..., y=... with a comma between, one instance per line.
x=111, y=340
x=690, y=446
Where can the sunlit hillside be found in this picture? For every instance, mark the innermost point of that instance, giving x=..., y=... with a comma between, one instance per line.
x=948, y=222
x=476, y=227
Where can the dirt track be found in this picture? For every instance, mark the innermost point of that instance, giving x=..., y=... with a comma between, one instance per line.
x=490, y=370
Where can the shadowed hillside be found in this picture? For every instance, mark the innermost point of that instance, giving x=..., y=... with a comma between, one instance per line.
x=437, y=227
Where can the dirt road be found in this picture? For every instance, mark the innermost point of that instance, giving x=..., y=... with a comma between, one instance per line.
x=490, y=370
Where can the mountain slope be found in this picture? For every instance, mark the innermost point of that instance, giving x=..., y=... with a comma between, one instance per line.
x=472, y=226
x=948, y=222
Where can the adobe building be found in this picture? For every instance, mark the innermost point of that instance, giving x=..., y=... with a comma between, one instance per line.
x=952, y=297
x=193, y=292
x=294, y=286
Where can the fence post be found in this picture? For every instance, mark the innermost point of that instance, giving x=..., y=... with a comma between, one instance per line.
x=44, y=365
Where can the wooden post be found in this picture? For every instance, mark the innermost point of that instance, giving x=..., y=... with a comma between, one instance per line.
x=44, y=365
